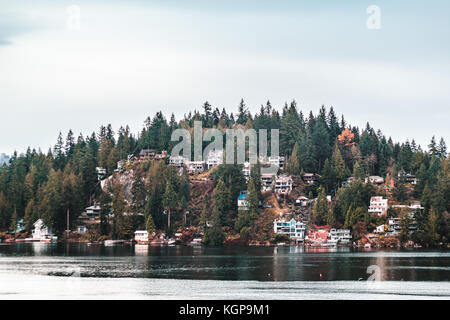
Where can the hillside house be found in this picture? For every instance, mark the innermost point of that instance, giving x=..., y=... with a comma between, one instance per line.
x=214, y=158
x=177, y=161
x=395, y=225
x=283, y=184
x=266, y=181
x=377, y=180
x=310, y=178
x=378, y=205
x=296, y=230
x=242, y=200
x=195, y=167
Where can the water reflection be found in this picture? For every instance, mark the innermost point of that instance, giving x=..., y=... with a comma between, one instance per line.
x=283, y=263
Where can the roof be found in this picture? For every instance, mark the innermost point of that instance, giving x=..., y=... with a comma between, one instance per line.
x=242, y=196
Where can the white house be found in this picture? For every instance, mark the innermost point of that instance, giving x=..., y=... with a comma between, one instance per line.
x=339, y=235
x=277, y=161
x=310, y=178
x=177, y=161
x=294, y=229
x=196, y=167
x=266, y=181
x=395, y=225
x=41, y=231
x=246, y=171
x=141, y=236
x=378, y=205
x=93, y=212
x=214, y=158
x=283, y=184
x=302, y=201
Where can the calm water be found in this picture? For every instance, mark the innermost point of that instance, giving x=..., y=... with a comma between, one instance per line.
x=55, y=271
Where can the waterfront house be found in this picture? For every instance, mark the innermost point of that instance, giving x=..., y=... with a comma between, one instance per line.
x=41, y=231
x=339, y=236
x=378, y=205
x=296, y=230
x=141, y=236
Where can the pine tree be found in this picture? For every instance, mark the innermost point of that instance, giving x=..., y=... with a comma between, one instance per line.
x=293, y=163
x=321, y=210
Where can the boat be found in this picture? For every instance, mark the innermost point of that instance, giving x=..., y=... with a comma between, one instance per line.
x=196, y=241
x=171, y=242
x=10, y=240
x=49, y=239
x=113, y=242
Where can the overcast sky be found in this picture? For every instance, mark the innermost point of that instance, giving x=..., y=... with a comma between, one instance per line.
x=130, y=59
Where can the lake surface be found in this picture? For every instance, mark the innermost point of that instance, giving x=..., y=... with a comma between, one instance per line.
x=66, y=271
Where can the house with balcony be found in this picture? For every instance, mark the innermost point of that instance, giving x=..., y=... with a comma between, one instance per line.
x=296, y=230
x=394, y=225
x=303, y=201
x=195, y=167
x=378, y=205
x=339, y=236
x=214, y=158
x=283, y=184
x=266, y=181
x=277, y=161
x=178, y=161
x=310, y=178
x=141, y=236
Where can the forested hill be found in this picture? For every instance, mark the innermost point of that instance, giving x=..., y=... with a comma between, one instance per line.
x=36, y=184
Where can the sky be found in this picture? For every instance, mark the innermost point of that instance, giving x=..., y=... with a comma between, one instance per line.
x=122, y=61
